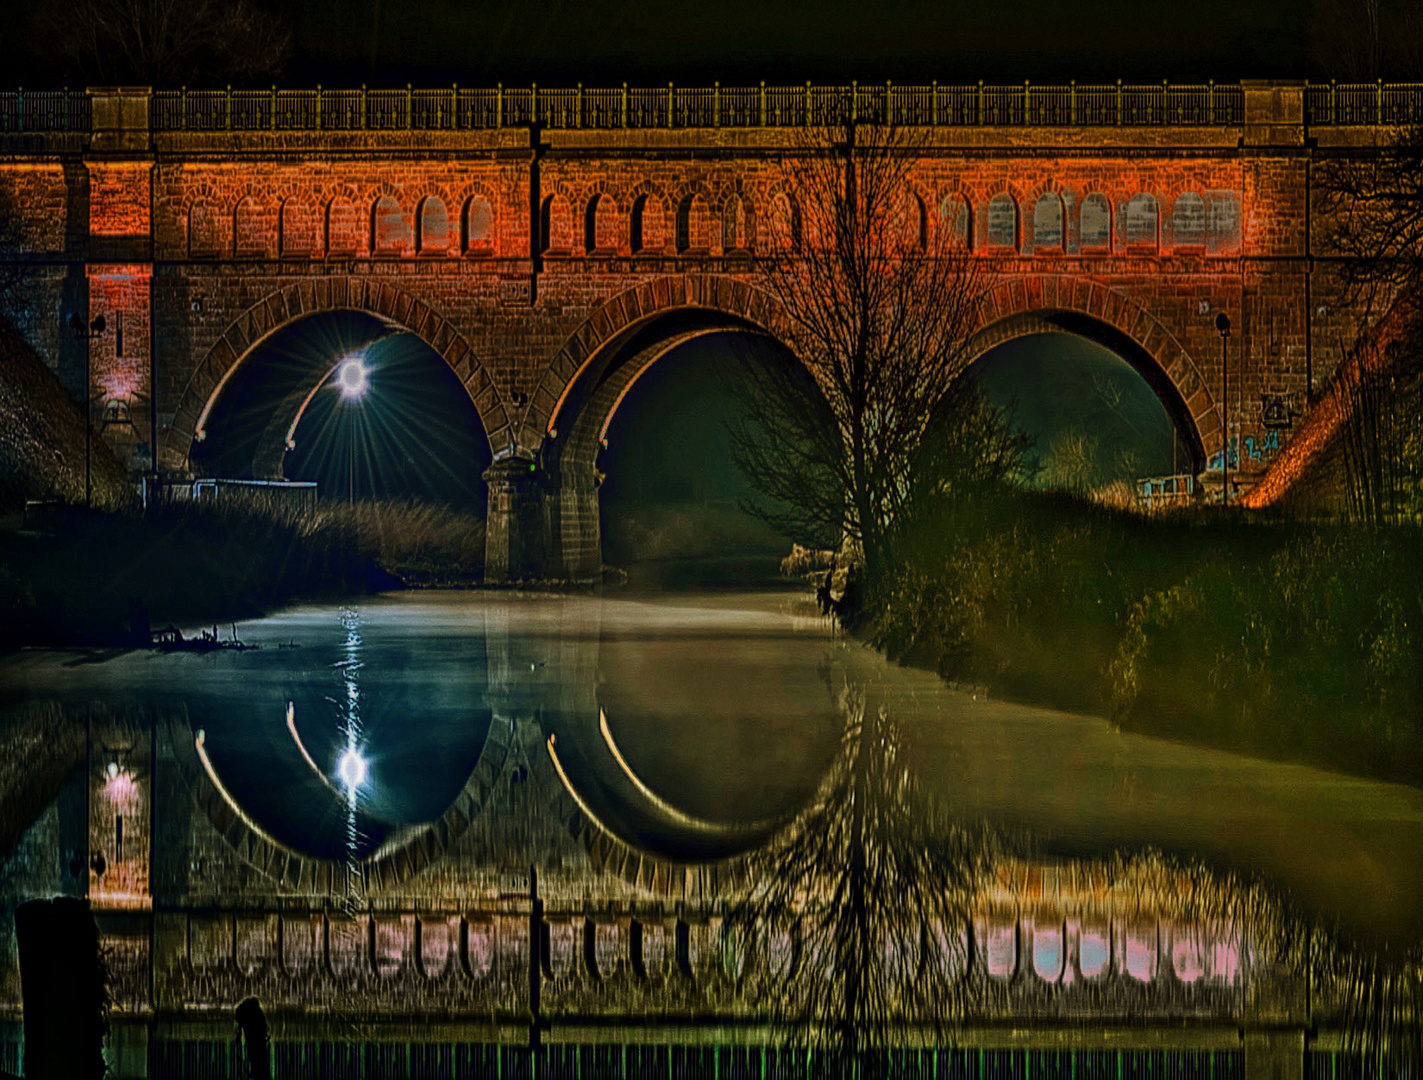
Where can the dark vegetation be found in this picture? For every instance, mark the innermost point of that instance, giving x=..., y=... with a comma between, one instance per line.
x=1285, y=639
x=93, y=579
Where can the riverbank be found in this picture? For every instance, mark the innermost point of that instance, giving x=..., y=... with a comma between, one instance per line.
x=1294, y=641
x=107, y=579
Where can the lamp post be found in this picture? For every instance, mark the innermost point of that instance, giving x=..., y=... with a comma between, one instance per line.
x=1222, y=323
x=353, y=379
x=86, y=334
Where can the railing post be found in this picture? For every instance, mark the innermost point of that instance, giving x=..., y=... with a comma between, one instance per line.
x=1072, y=103
x=806, y=121
x=1119, y=103
x=1378, y=103
x=716, y=104
x=671, y=104
x=365, y=108
x=934, y=104
x=625, y=104
x=409, y=107
x=580, y=106
x=20, y=105
x=227, y=108
x=980, y=103
x=1027, y=101
x=318, y=106
x=1210, y=103
x=888, y=102
x=499, y=105
x=763, y=103
x=533, y=103
x=272, y=120
x=183, y=109
x=454, y=106
x=1333, y=104
x=854, y=101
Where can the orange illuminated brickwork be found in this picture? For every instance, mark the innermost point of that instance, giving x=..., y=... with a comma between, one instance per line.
x=119, y=199
x=118, y=357
x=35, y=193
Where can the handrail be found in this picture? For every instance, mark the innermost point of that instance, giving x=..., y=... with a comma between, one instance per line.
x=764, y=106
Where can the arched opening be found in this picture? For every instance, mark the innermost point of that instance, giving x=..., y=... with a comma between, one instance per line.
x=1001, y=227
x=409, y=432
x=1101, y=414
x=1048, y=216
x=639, y=449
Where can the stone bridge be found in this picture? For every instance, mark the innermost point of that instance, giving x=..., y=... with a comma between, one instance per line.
x=550, y=245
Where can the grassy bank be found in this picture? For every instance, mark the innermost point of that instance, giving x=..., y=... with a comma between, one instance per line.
x=1288, y=640
x=91, y=579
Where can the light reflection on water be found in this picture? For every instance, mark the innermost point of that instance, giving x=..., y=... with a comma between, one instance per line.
x=691, y=725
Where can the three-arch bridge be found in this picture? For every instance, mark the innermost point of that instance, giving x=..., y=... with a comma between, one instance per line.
x=550, y=246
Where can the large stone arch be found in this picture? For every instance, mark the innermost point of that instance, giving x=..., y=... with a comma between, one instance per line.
x=589, y=377
x=1020, y=306
x=286, y=305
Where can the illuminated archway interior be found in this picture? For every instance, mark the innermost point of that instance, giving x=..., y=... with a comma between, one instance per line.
x=365, y=409
x=1093, y=417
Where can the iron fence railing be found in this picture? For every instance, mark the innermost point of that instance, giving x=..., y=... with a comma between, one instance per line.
x=44, y=110
x=935, y=105
x=1359, y=104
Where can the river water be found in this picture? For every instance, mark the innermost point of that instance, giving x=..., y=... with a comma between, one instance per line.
x=691, y=725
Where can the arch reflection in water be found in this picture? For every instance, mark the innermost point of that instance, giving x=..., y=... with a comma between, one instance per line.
x=688, y=754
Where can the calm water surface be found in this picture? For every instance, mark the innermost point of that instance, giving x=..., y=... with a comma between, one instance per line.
x=694, y=724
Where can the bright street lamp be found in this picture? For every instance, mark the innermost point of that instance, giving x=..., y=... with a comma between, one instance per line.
x=353, y=379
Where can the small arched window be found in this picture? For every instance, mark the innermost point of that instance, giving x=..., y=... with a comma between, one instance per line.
x=1096, y=223
x=1223, y=226
x=733, y=225
x=1188, y=221
x=649, y=225
x=1141, y=221
x=600, y=227
x=250, y=229
x=343, y=228
x=432, y=227
x=913, y=222
x=556, y=226
x=204, y=230
x=1048, y=218
x=388, y=231
x=785, y=223
x=478, y=227
x=297, y=232
x=956, y=221
x=1002, y=223
x=693, y=225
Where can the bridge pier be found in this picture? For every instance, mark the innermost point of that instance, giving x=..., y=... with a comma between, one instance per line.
x=515, y=527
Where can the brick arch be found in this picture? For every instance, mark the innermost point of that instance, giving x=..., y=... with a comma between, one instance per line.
x=1019, y=306
x=629, y=310
x=313, y=297
x=382, y=870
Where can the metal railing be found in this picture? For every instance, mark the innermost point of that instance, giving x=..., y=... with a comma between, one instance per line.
x=44, y=110
x=580, y=108
x=1362, y=104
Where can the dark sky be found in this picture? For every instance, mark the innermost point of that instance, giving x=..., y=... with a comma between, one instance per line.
x=479, y=42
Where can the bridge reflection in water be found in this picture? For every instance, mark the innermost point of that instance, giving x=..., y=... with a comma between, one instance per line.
x=570, y=893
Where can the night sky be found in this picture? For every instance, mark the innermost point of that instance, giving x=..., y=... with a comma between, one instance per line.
x=435, y=42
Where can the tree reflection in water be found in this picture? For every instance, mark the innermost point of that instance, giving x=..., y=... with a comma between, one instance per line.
x=863, y=905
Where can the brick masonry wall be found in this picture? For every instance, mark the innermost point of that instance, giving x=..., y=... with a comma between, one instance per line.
x=521, y=258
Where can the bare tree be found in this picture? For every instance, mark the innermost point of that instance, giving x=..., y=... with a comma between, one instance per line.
x=1364, y=40
x=865, y=910
x=163, y=42
x=878, y=300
